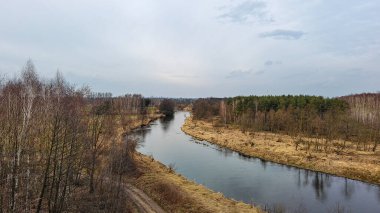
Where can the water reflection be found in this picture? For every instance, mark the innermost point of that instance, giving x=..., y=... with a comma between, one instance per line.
x=263, y=163
x=250, y=179
x=348, y=189
x=299, y=179
x=319, y=186
x=224, y=152
x=244, y=157
x=165, y=122
x=319, y=182
x=139, y=135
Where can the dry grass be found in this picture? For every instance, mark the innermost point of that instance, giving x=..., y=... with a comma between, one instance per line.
x=107, y=198
x=350, y=163
x=171, y=191
x=117, y=140
x=130, y=123
x=176, y=194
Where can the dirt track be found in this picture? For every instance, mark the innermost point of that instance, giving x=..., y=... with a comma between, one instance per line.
x=141, y=200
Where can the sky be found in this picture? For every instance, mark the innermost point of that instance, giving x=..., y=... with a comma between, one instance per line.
x=197, y=48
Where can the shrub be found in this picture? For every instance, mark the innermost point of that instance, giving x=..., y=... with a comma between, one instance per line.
x=167, y=107
x=170, y=193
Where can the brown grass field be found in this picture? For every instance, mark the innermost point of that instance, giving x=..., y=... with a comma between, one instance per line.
x=280, y=148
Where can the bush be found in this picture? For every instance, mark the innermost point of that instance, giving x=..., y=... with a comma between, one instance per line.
x=167, y=107
x=170, y=193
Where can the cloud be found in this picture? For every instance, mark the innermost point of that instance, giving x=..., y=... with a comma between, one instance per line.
x=271, y=63
x=283, y=34
x=145, y=50
x=185, y=76
x=179, y=79
x=239, y=74
x=259, y=72
x=247, y=11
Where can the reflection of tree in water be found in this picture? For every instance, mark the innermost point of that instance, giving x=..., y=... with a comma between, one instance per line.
x=299, y=179
x=244, y=157
x=289, y=168
x=139, y=136
x=319, y=183
x=226, y=152
x=223, y=151
x=338, y=208
x=166, y=122
x=306, y=178
x=263, y=163
x=348, y=189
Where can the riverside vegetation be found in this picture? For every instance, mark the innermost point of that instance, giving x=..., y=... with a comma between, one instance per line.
x=63, y=149
x=59, y=143
x=338, y=136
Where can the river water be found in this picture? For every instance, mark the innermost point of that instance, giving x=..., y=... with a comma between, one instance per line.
x=252, y=180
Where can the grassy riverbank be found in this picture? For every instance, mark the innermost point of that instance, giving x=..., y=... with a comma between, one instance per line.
x=279, y=148
x=171, y=191
x=175, y=193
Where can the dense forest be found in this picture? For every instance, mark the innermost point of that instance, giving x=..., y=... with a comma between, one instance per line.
x=313, y=120
x=59, y=143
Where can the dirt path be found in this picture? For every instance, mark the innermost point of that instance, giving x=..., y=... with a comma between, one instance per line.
x=141, y=200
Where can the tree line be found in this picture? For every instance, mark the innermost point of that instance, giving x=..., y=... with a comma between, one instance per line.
x=57, y=141
x=311, y=120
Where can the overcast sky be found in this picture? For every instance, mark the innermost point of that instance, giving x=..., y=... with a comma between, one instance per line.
x=197, y=48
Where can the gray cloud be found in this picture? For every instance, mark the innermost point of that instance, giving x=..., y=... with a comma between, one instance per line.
x=185, y=76
x=137, y=46
x=283, y=34
x=271, y=63
x=247, y=11
x=260, y=72
x=239, y=73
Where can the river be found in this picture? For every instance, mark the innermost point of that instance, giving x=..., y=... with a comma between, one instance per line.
x=252, y=180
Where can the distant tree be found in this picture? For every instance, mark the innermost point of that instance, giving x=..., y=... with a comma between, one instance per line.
x=207, y=108
x=167, y=107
